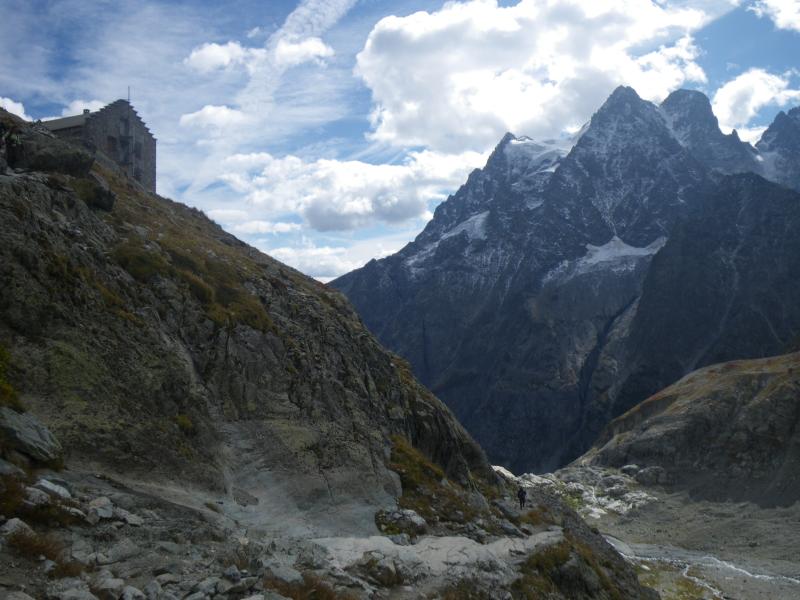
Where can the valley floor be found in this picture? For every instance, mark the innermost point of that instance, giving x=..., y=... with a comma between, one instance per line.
x=737, y=550
x=685, y=547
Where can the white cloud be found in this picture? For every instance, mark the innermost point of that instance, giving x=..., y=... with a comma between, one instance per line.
x=327, y=261
x=14, y=107
x=290, y=54
x=461, y=76
x=209, y=57
x=741, y=98
x=215, y=117
x=785, y=13
x=227, y=215
x=76, y=107
x=341, y=195
x=322, y=262
x=252, y=227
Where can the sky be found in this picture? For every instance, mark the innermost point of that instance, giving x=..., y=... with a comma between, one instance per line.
x=325, y=132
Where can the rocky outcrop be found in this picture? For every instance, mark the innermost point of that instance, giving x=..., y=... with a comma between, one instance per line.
x=528, y=303
x=22, y=432
x=725, y=432
x=158, y=347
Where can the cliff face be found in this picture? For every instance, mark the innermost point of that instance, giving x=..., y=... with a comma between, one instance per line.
x=728, y=431
x=159, y=347
x=529, y=304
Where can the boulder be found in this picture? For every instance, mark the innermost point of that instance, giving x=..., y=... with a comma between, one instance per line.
x=630, y=470
x=109, y=588
x=153, y=590
x=401, y=521
x=36, y=497
x=70, y=588
x=652, y=476
x=52, y=489
x=128, y=517
x=27, y=434
x=100, y=508
x=9, y=470
x=13, y=526
x=232, y=574
x=131, y=593
x=282, y=572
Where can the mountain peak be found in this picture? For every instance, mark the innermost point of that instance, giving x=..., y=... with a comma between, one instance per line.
x=690, y=107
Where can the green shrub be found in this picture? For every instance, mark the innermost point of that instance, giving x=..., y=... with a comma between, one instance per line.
x=199, y=288
x=185, y=424
x=141, y=263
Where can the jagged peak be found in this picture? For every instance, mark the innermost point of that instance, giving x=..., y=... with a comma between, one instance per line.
x=690, y=104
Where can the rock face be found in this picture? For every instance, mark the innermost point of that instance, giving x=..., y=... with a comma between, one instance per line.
x=728, y=431
x=158, y=346
x=526, y=300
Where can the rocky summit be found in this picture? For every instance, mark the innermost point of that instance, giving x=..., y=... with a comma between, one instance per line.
x=568, y=280
x=183, y=417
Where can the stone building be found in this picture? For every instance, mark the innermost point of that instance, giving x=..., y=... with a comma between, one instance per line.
x=117, y=132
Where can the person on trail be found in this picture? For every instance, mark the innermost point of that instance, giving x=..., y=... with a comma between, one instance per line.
x=522, y=495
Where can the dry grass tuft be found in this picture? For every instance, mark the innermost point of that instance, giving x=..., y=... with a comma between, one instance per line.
x=311, y=588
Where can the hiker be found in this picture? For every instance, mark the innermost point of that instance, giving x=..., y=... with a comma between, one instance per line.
x=522, y=495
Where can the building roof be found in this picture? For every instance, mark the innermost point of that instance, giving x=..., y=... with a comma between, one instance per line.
x=66, y=122
x=80, y=120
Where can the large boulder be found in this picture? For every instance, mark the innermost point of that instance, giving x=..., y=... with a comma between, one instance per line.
x=28, y=435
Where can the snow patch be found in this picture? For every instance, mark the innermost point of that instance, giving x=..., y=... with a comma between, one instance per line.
x=615, y=249
x=615, y=255
x=475, y=227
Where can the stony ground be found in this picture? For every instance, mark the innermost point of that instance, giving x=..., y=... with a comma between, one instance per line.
x=127, y=543
x=684, y=547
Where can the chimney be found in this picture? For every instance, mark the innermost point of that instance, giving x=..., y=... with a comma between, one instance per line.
x=86, y=111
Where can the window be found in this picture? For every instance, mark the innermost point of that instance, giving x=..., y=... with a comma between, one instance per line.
x=112, y=145
x=137, y=174
x=137, y=150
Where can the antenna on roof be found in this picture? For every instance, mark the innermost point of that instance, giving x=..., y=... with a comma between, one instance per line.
x=129, y=94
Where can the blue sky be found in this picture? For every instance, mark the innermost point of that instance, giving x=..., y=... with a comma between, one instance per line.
x=325, y=132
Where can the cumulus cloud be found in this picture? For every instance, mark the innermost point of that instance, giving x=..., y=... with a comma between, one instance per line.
x=784, y=13
x=290, y=54
x=461, y=76
x=77, y=106
x=209, y=57
x=253, y=227
x=16, y=108
x=214, y=117
x=340, y=195
x=741, y=98
x=322, y=262
x=327, y=261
